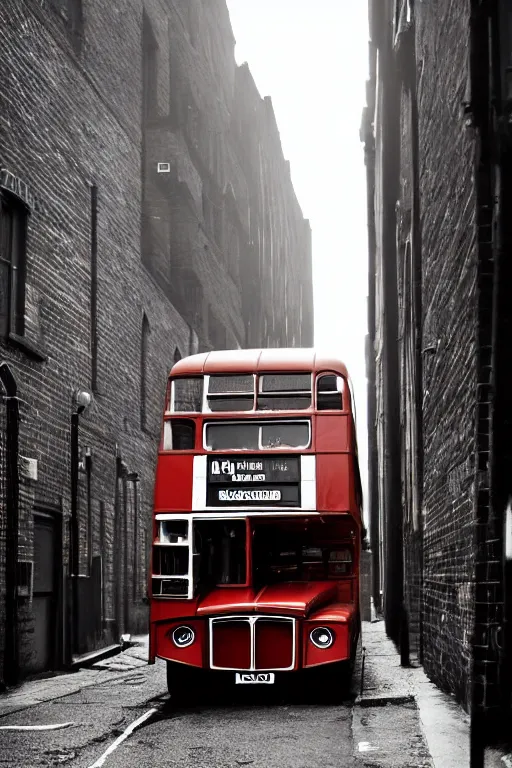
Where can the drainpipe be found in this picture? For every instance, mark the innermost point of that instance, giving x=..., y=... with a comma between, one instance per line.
x=126, y=596
x=74, y=558
x=11, y=653
x=134, y=478
x=88, y=474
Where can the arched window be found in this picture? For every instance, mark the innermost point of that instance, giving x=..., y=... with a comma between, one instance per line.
x=143, y=371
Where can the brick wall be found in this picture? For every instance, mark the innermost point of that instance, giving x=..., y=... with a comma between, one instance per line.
x=71, y=117
x=447, y=200
x=433, y=216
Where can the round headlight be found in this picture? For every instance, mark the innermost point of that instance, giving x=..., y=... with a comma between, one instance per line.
x=182, y=637
x=322, y=637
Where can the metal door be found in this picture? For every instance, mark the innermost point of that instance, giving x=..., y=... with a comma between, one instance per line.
x=44, y=604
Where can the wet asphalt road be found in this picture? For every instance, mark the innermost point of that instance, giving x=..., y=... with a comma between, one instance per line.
x=261, y=730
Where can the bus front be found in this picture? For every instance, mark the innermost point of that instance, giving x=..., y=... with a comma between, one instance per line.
x=256, y=530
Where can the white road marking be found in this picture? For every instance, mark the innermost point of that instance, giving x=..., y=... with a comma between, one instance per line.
x=127, y=732
x=53, y=727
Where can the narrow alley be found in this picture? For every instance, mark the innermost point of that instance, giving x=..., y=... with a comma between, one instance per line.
x=85, y=720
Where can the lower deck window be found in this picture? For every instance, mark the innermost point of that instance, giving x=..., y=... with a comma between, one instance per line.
x=221, y=546
x=300, y=553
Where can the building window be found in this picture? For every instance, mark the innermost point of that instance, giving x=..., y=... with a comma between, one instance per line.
x=94, y=288
x=149, y=70
x=75, y=17
x=403, y=15
x=177, y=355
x=143, y=372
x=71, y=11
x=191, y=22
x=13, y=245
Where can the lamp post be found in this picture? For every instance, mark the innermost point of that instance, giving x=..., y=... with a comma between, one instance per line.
x=81, y=400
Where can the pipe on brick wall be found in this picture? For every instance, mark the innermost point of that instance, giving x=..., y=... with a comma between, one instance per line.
x=74, y=542
x=88, y=474
x=480, y=109
x=11, y=652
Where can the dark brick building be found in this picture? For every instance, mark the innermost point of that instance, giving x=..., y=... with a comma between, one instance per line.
x=437, y=138
x=147, y=213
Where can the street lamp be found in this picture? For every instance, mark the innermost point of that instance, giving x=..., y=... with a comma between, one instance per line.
x=82, y=399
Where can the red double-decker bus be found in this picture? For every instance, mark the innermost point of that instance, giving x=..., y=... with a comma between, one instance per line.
x=257, y=520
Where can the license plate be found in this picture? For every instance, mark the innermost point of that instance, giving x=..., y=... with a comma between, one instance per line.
x=265, y=678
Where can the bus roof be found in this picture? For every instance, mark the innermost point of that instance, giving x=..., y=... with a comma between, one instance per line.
x=255, y=360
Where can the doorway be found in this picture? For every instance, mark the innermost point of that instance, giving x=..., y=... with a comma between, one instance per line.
x=46, y=597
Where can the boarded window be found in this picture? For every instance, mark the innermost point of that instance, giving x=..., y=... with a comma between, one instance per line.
x=144, y=372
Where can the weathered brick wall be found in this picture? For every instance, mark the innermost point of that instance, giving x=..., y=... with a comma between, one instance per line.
x=60, y=132
x=70, y=117
x=408, y=256
x=426, y=223
x=228, y=198
x=449, y=322
x=3, y=522
x=278, y=254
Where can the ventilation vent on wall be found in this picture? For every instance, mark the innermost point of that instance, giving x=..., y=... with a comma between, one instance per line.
x=164, y=168
x=28, y=468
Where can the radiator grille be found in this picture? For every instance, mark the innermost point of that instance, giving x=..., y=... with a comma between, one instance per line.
x=253, y=643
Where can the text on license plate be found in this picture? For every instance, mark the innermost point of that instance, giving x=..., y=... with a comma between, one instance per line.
x=243, y=678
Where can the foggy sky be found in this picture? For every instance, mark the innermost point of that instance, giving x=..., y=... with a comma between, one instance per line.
x=310, y=56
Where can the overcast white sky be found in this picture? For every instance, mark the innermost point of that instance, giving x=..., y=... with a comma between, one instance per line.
x=310, y=57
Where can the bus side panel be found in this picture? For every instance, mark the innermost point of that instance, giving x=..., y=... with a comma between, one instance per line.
x=164, y=609
x=152, y=644
x=332, y=433
x=332, y=482
x=173, y=483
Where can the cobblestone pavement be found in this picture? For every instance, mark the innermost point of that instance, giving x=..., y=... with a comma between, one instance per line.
x=94, y=710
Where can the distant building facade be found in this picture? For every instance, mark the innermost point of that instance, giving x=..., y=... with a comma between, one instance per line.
x=438, y=153
x=147, y=213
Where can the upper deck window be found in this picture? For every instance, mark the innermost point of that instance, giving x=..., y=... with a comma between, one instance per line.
x=256, y=435
x=179, y=435
x=231, y=393
x=284, y=392
x=329, y=392
x=187, y=395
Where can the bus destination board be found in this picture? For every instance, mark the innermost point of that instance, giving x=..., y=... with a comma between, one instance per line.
x=236, y=469
x=253, y=481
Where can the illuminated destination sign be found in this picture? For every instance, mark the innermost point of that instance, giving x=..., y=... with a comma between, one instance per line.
x=242, y=494
x=280, y=496
x=254, y=470
x=253, y=481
